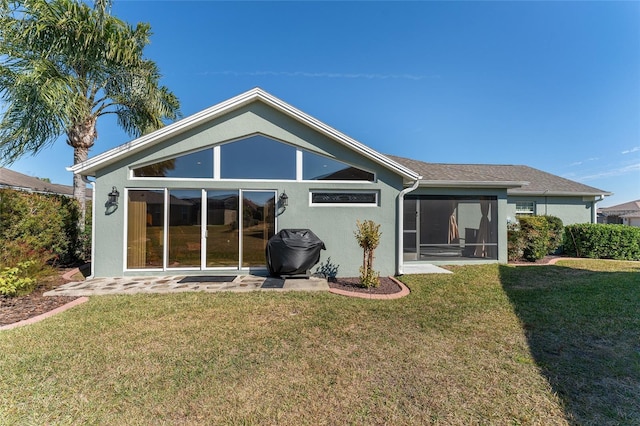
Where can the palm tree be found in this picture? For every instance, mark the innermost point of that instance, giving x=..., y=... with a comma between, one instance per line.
x=64, y=64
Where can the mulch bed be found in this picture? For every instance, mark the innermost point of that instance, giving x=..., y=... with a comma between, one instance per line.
x=544, y=261
x=14, y=309
x=387, y=286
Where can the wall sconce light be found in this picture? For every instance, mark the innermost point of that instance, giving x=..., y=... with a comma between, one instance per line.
x=284, y=199
x=113, y=197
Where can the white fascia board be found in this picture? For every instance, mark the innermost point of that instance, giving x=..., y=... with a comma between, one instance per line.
x=88, y=167
x=471, y=184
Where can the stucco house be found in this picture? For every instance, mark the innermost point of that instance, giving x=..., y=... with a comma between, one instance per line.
x=204, y=194
x=623, y=214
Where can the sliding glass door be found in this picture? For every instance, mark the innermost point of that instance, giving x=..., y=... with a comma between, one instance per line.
x=199, y=229
x=185, y=230
x=223, y=229
x=258, y=225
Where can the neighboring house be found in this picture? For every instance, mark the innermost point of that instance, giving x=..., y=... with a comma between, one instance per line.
x=21, y=182
x=204, y=194
x=625, y=214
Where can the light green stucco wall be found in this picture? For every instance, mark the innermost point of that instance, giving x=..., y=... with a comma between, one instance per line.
x=334, y=225
x=569, y=209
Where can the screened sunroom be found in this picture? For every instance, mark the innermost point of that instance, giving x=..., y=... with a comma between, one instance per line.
x=450, y=228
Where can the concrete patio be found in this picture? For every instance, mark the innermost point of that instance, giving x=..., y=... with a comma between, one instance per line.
x=179, y=284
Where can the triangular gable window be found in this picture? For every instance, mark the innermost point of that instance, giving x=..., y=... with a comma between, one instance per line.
x=317, y=167
x=195, y=165
x=254, y=157
x=257, y=157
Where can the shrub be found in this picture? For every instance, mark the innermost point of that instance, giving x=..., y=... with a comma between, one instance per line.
x=15, y=280
x=599, y=241
x=39, y=227
x=533, y=237
x=515, y=241
x=328, y=270
x=535, y=230
x=368, y=237
x=556, y=234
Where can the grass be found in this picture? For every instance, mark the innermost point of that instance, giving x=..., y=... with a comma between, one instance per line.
x=486, y=345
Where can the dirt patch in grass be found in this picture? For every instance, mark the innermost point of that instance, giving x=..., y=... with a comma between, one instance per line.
x=14, y=309
x=387, y=286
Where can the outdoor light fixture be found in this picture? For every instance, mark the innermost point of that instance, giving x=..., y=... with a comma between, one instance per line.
x=284, y=199
x=113, y=196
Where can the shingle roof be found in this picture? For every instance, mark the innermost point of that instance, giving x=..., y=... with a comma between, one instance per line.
x=631, y=206
x=14, y=180
x=539, y=182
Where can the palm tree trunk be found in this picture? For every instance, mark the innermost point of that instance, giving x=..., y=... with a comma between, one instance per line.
x=80, y=154
x=81, y=136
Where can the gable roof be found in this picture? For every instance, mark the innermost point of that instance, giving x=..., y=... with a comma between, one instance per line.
x=89, y=167
x=520, y=180
x=630, y=207
x=14, y=180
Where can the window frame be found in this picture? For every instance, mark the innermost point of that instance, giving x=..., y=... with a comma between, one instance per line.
x=522, y=212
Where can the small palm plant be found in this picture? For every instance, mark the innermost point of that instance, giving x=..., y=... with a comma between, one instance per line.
x=368, y=237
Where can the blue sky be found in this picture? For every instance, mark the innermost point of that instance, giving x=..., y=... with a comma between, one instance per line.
x=553, y=85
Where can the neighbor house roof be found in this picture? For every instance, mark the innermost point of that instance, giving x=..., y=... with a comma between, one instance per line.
x=14, y=180
x=631, y=208
x=89, y=167
x=519, y=180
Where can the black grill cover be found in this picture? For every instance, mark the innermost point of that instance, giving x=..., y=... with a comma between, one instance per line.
x=293, y=252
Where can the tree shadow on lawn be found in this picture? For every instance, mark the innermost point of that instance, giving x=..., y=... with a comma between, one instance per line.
x=583, y=330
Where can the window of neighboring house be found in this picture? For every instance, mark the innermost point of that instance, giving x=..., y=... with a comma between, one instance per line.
x=194, y=165
x=525, y=208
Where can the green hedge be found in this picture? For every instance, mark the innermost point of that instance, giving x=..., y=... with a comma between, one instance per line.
x=600, y=241
x=533, y=237
x=38, y=227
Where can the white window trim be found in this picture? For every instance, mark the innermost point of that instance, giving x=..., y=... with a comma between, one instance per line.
x=526, y=212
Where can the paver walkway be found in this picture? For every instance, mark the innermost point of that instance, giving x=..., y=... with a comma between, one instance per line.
x=179, y=284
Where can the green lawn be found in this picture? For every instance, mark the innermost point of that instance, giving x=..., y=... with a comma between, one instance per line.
x=487, y=345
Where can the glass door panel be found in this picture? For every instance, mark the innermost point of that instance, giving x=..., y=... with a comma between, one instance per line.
x=145, y=229
x=258, y=225
x=185, y=231
x=222, y=229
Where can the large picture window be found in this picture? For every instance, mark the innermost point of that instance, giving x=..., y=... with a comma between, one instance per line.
x=450, y=228
x=257, y=157
x=195, y=165
x=318, y=167
x=254, y=157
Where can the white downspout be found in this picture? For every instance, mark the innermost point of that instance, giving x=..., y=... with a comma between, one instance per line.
x=400, y=251
x=594, y=209
x=93, y=223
